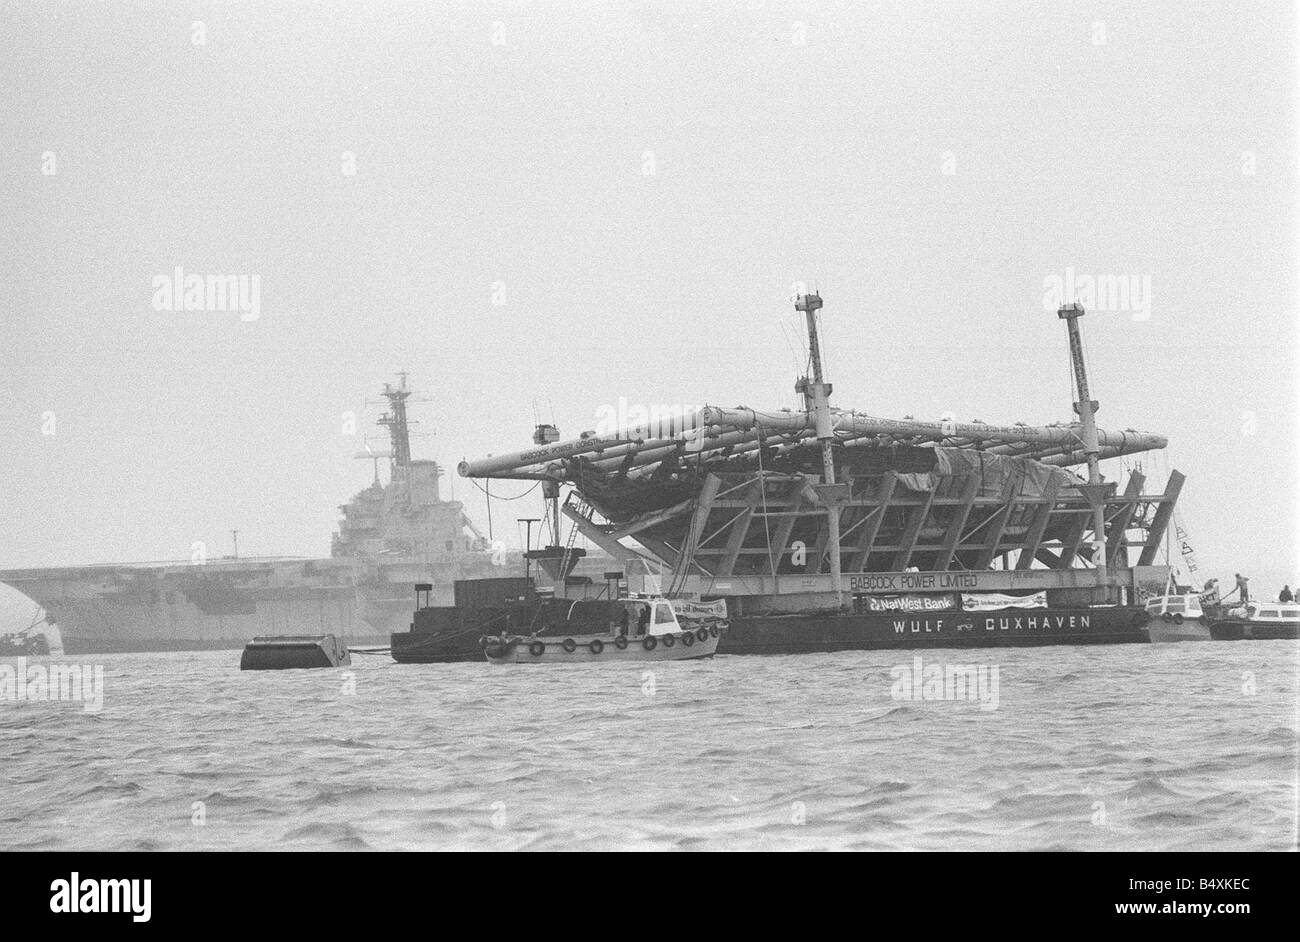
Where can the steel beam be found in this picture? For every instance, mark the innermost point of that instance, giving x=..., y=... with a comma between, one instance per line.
x=740, y=530
x=997, y=526
x=1160, y=522
x=1034, y=533
x=913, y=530
x=1119, y=521
x=699, y=519
x=1070, y=545
x=867, y=538
x=600, y=537
x=960, y=515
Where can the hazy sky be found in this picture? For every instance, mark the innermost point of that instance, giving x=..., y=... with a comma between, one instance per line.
x=640, y=184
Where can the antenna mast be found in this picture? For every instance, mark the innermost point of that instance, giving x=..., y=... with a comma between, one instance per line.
x=816, y=395
x=1087, y=407
x=399, y=431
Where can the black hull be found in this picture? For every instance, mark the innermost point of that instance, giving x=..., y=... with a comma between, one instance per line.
x=409, y=648
x=805, y=634
x=1245, y=631
x=799, y=634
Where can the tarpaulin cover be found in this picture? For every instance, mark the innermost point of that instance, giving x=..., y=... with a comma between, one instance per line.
x=953, y=465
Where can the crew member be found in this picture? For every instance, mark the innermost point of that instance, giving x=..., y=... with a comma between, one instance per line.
x=1285, y=595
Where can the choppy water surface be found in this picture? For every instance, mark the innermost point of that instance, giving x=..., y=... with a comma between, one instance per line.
x=1189, y=746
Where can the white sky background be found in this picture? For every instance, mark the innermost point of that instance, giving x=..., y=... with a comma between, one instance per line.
x=524, y=164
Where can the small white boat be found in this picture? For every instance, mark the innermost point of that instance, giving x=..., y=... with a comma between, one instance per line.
x=1258, y=621
x=641, y=629
x=1177, y=617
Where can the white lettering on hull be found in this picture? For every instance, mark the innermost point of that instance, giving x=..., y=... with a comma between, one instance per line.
x=1021, y=623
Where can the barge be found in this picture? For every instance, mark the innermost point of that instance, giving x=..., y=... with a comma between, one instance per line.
x=827, y=529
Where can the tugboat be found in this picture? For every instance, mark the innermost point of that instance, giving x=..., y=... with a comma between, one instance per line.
x=1177, y=616
x=1258, y=621
x=24, y=644
x=640, y=628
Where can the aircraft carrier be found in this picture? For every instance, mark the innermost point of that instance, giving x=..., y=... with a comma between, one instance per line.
x=390, y=536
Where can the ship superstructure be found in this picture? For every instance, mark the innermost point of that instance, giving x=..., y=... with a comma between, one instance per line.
x=404, y=533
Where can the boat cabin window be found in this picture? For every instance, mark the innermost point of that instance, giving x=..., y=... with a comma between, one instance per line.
x=663, y=615
x=1268, y=613
x=634, y=619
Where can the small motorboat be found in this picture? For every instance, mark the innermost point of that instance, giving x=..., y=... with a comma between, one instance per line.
x=1177, y=617
x=642, y=628
x=1258, y=621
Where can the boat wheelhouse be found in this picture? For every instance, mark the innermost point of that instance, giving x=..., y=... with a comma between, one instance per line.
x=1177, y=617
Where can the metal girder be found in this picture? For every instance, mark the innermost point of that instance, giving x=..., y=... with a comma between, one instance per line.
x=708, y=538
x=997, y=526
x=1160, y=522
x=819, y=549
x=659, y=549
x=703, y=504
x=786, y=526
x=913, y=530
x=1034, y=534
x=958, y=523
x=601, y=538
x=1070, y=545
x=653, y=519
x=740, y=530
x=1120, y=521
x=867, y=537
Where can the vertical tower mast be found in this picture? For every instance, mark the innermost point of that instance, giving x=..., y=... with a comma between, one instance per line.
x=398, y=427
x=1087, y=407
x=817, y=400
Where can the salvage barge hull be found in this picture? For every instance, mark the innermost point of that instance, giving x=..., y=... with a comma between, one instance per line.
x=791, y=514
x=448, y=634
x=804, y=633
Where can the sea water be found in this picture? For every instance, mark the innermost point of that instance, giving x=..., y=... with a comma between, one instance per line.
x=1126, y=747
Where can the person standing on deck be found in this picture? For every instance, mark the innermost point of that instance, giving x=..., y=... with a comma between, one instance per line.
x=1242, y=587
x=1285, y=595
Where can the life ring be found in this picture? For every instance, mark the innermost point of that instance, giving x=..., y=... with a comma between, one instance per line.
x=702, y=634
x=1203, y=620
x=688, y=639
x=713, y=630
x=1167, y=617
x=569, y=645
x=537, y=648
x=621, y=643
x=669, y=640
x=1178, y=618
x=596, y=646
x=649, y=642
